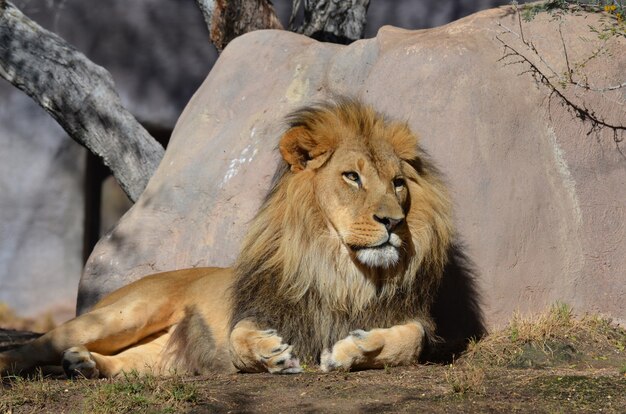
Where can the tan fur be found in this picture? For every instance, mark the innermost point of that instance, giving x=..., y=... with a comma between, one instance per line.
x=298, y=271
x=134, y=328
x=339, y=267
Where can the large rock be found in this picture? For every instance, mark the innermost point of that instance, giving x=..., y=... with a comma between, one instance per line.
x=539, y=202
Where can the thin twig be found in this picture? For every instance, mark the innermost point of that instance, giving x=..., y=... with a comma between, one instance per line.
x=532, y=48
x=581, y=111
x=519, y=21
x=569, y=69
x=588, y=87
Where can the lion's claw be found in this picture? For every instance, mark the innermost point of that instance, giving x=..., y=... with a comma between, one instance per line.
x=262, y=351
x=327, y=363
x=359, y=334
x=282, y=361
x=286, y=365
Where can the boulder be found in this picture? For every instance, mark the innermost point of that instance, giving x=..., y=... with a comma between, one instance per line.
x=538, y=191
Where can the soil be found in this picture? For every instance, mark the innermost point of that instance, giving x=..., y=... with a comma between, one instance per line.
x=427, y=388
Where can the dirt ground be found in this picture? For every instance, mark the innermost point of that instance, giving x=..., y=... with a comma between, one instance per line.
x=553, y=363
x=426, y=388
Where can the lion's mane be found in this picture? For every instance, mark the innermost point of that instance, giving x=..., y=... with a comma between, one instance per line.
x=293, y=277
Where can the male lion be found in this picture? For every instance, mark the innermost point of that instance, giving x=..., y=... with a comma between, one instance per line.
x=339, y=267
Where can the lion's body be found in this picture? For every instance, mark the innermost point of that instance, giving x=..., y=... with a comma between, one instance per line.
x=339, y=266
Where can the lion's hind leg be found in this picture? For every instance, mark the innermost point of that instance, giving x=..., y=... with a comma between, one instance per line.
x=92, y=327
x=144, y=358
x=105, y=330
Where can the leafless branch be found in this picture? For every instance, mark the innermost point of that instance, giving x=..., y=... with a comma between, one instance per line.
x=80, y=95
x=581, y=111
x=569, y=69
x=528, y=55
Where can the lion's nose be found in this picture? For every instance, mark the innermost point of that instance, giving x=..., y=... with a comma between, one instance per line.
x=389, y=222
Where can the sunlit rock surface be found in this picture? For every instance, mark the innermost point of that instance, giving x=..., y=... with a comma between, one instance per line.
x=540, y=203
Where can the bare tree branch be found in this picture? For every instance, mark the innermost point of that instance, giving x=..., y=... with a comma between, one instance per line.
x=80, y=95
x=227, y=19
x=337, y=21
x=556, y=83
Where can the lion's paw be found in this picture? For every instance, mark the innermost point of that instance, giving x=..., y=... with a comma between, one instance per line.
x=78, y=363
x=328, y=363
x=281, y=360
x=263, y=350
x=352, y=350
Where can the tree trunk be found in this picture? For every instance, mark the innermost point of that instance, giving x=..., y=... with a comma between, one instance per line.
x=227, y=19
x=336, y=21
x=80, y=95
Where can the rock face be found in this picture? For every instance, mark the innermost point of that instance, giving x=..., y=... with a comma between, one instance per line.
x=540, y=203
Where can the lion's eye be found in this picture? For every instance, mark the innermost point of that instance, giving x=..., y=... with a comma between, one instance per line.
x=399, y=183
x=353, y=177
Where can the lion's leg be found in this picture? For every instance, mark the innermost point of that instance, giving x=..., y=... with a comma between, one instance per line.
x=105, y=330
x=145, y=358
x=254, y=350
x=398, y=345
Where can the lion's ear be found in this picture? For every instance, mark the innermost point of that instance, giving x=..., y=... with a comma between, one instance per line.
x=404, y=142
x=302, y=150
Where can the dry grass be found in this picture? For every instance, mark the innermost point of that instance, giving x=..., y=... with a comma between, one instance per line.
x=551, y=339
x=128, y=394
x=134, y=393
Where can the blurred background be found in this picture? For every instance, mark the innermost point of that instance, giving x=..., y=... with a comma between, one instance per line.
x=56, y=199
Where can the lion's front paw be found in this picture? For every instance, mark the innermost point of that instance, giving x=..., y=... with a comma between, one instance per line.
x=282, y=361
x=257, y=350
x=357, y=348
x=78, y=363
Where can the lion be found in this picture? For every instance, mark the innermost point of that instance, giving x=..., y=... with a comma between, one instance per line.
x=339, y=268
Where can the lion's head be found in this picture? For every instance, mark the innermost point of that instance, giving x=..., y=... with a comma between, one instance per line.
x=359, y=169
x=354, y=232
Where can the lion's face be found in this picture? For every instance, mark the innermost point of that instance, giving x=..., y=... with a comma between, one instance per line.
x=363, y=196
x=360, y=173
